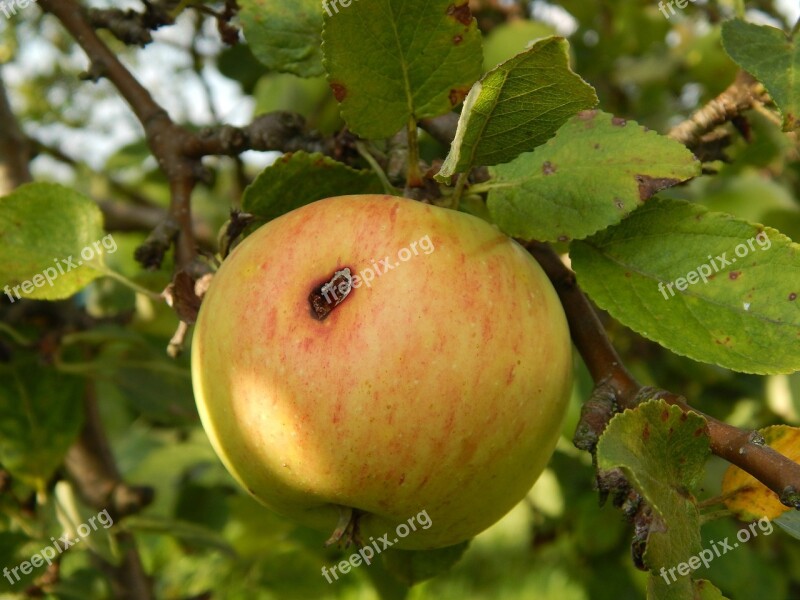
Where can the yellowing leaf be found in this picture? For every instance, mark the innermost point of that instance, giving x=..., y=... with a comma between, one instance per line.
x=750, y=499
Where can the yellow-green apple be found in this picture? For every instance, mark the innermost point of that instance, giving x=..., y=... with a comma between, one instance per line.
x=378, y=354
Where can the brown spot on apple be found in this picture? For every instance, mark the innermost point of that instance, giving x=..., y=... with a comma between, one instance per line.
x=548, y=168
x=330, y=294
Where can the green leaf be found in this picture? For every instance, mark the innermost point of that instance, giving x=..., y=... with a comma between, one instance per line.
x=390, y=61
x=662, y=452
x=414, y=566
x=596, y=170
x=41, y=412
x=157, y=387
x=773, y=58
x=743, y=316
x=516, y=107
x=44, y=228
x=790, y=523
x=238, y=63
x=300, y=178
x=284, y=36
x=12, y=552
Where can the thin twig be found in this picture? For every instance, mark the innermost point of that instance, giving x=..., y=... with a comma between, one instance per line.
x=743, y=94
x=178, y=150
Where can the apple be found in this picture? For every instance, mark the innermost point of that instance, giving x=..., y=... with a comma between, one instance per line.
x=380, y=355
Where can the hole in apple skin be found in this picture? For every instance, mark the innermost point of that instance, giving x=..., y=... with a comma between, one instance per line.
x=327, y=296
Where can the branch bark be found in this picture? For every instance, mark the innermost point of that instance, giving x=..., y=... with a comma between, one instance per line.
x=91, y=466
x=165, y=139
x=745, y=449
x=15, y=151
x=743, y=94
x=178, y=150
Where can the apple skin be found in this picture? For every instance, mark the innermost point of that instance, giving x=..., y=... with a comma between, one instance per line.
x=440, y=387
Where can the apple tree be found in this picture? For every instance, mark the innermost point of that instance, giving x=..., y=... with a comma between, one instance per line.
x=644, y=154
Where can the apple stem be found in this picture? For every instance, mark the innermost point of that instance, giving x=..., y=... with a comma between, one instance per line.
x=365, y=154
x=461, y=183
x=346, y=521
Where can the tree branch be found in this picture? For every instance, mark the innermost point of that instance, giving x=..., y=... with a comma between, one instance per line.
x=178, y=150
x=91, y=466
x=743, y=94
x=745, y=449
x=15, y=151
x=165, y=139
x=278, y=131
